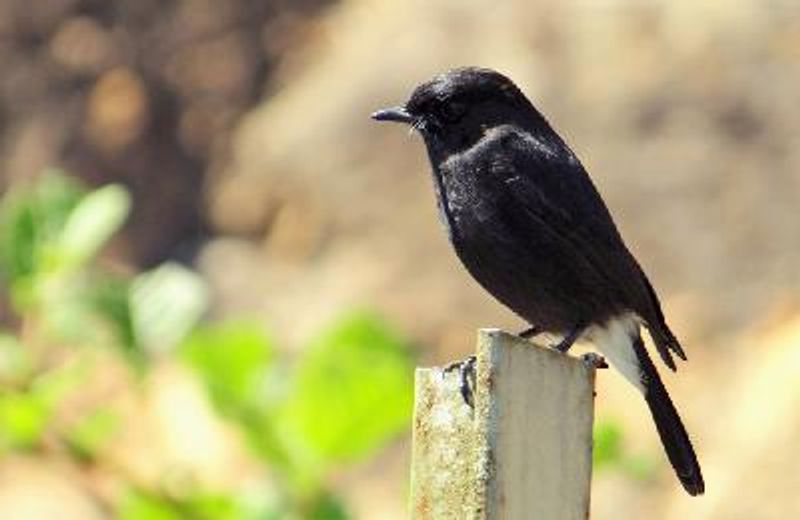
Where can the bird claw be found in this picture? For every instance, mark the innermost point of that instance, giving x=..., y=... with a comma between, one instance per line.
x=529, y=332
x=592, y=360
x=466, y=369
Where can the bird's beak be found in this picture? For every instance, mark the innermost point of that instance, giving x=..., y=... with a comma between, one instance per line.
x=399, y=114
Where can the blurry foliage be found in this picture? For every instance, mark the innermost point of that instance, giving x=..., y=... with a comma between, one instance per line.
x=609, y=452
x=30, y=220
x=137, y=504
x=232, y=358
x=354, y=381
x=345, y=396
x=607, y=449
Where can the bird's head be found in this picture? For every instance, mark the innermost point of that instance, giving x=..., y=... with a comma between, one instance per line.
x=454, y=110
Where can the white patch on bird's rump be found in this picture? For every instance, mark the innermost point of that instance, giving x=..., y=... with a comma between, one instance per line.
x=614, y=339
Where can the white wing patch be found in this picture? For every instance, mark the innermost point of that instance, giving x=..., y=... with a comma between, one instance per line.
x=614, y=340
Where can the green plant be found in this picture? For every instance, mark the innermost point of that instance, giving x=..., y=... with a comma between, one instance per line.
x=347, y=394
x=350, y=391
x=609, y=452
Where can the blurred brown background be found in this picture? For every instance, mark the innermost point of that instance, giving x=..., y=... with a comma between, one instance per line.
x=242, y=130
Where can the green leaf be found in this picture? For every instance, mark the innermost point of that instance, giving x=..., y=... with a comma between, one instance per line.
x=91, y=223
x=31, y=219
x=23, y=418
x=64, y=309
x=353, y=390
x=139, y=505
x=234, y=361
x=55, y=385
x=210, y=505
x=91, y=433
x=231, y=359
x=108, y=297
x=166, y=303
x=327, y=507
x=607, y=450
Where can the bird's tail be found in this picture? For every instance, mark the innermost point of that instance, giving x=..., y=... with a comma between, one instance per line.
x=663, y=338
x=669, y=425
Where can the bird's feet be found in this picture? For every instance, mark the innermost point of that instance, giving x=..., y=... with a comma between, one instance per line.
x=529, y=332
x=593, y=360
x=466, y=369
x=563, y=346
x=572, y=336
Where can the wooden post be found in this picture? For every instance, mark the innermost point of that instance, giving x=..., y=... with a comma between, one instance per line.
x=524, y=452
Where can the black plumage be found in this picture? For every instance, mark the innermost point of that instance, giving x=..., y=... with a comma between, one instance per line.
x=529, y=225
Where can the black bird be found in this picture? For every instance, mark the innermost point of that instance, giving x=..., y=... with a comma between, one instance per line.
x=529, y=225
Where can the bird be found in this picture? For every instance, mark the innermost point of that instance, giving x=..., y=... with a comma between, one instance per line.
x=529, y=225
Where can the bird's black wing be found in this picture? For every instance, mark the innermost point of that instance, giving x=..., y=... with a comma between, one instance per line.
x=547, y=180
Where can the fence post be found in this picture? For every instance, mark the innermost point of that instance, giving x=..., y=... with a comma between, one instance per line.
x=524, y=452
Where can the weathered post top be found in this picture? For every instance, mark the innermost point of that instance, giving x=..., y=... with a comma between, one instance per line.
x=524, y=452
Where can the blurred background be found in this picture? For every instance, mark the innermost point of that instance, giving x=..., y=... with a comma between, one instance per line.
x=218, y=273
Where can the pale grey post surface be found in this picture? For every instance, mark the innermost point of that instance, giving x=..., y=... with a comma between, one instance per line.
x=525, y=452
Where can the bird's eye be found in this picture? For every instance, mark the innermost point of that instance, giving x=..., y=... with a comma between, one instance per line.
x=453, y=111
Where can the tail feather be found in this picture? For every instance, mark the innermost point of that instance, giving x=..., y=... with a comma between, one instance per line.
x=663, y=338
x=669, y=425
x=665, y=343
x=663, y=346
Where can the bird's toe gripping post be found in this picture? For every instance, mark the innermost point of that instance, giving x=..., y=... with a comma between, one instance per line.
x=466, y=368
